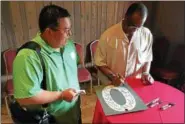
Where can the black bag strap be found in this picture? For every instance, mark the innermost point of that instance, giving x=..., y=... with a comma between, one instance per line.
x=35, y=46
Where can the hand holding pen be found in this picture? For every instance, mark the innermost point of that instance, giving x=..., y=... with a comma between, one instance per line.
x=118, y=80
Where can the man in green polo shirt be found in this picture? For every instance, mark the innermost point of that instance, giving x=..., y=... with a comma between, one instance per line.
x=60, y=59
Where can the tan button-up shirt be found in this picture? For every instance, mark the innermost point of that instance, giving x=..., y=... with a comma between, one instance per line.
x=122, y=56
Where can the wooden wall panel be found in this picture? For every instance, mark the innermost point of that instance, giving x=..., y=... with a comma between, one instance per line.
x=47, y=3
x=89, y=19
x=76, y=22
x=82, y=22
x=8, y=25
x=70, y=7
x=59, y=3
x=99, y=21
x=24, y=22
x=115, y=12
x=94, y=19
x=32, y=20
x=17, y=23
x=4, y=38
x=110, y=13
x=120, y=11
x=103, y=16
x=87, y=22
x=39, y=6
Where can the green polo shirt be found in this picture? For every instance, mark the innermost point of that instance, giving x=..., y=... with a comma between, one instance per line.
x=61, y=74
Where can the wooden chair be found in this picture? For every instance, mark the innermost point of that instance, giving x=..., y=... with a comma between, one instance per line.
x=83, y=74
x=93, y=46
x=9, y=56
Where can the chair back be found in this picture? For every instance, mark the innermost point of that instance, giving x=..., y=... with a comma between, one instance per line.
x=9, y=56
x=93, y=47
x=80, y=52
x=83, y=74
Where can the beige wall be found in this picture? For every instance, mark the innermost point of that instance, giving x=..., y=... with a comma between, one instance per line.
x=89, y=20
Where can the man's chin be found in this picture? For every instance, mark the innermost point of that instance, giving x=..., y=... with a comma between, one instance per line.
x=63, y=43
x=59, y=46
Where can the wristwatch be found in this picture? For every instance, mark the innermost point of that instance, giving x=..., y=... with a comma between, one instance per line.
x=145, y=73
x=111, y=76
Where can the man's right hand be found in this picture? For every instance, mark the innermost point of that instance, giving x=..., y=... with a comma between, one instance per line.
x=118, y=80
x=68, y=94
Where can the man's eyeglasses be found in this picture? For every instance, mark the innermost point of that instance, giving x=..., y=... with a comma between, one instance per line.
x=65, y=30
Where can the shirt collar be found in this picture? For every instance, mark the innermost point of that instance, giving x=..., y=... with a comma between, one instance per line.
x=44, y=45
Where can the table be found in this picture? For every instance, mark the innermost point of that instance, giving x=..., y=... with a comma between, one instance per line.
x=147, y=93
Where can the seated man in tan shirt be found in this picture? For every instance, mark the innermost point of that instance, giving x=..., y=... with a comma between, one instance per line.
x=125, y=49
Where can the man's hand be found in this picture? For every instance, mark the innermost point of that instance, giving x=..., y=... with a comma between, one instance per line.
x=147, y=78
x=118, y=80
x=68, y=94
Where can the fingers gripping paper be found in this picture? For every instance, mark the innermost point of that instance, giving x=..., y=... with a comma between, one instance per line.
x=119, y=100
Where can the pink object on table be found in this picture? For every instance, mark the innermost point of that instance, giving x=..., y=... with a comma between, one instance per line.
x=166, y=93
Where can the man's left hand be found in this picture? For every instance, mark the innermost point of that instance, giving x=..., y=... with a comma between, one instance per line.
x=147, y=78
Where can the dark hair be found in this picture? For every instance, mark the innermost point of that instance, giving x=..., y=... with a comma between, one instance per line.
x=50, y=15
x=137, y=7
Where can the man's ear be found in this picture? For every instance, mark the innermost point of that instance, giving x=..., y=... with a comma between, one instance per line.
x=48, y=31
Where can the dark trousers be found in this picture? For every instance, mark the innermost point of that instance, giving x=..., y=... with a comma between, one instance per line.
x=17, y=109
x=80, y=117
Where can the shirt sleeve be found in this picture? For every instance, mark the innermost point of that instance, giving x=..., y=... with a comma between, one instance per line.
x=77, y=56
x=145, y=54
x=149, y=54
x=100, y=54
x=27, y=74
